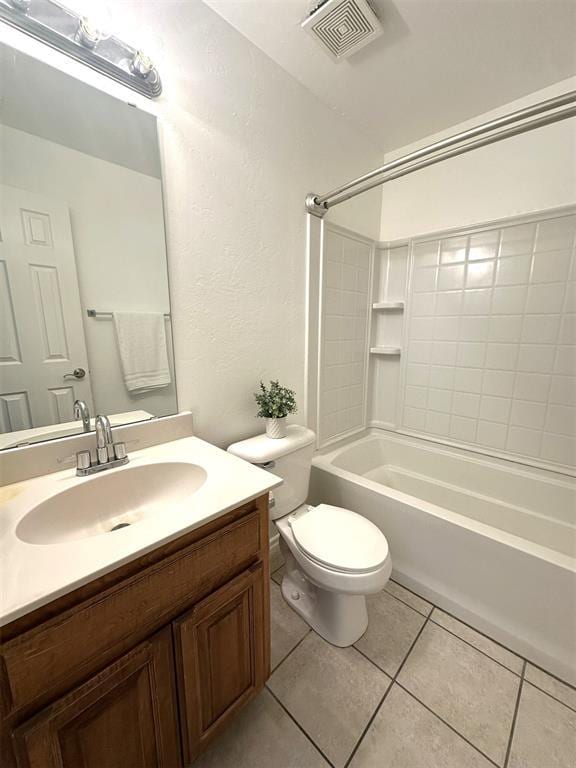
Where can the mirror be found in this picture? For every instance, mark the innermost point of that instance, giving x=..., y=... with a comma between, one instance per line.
x=84, y=301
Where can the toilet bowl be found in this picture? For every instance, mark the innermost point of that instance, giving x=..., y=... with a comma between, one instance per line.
x=333, y=556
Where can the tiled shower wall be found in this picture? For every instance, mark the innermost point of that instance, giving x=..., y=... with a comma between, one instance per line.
x=491, y=340
x=344, y=320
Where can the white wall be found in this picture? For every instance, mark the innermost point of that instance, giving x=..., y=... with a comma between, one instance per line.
x=525, y=174
x=242, y=143
x=118, y=232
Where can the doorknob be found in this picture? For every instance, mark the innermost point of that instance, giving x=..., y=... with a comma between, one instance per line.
x=77, y=373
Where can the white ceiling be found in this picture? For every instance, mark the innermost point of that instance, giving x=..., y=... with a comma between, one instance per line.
x=438, y=63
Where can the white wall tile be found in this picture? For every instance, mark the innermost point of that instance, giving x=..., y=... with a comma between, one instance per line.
x=509, y=299
x=528, y=414
x=437, y=423
x=468, y=379
x=442, y=376
x=495, y=408
x=523, y=441
x=466, y=404
x=532, y=386
x=480, y=274
x=424, y=279
x=462, y=429
x=502, y=356
x=414, y=418
x=451, y=277
x=440, y=400
x=513, y=270
x=491, y=434
x=537, y=358
x=477, y=301
x=545, y=297
x=503, y=349
x=471, y=354
x=517, y=239
x=499, y=383
x=505, y=328
x=550, y=267
x=416, y=397
x=448, y=302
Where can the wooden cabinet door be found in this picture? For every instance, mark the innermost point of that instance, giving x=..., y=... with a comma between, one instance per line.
x=221, y=657
x=124, y=717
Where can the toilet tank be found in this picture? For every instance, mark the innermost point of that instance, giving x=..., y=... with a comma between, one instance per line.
x=288, y=457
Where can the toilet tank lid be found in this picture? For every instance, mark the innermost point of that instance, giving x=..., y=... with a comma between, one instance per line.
x=261, y=449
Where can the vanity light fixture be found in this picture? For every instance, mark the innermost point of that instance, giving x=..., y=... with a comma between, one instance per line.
x=78, y=36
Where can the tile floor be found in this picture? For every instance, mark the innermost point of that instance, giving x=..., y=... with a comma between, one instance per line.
x=419, y=690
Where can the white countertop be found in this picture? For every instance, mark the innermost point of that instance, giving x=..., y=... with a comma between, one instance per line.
x=32, y=575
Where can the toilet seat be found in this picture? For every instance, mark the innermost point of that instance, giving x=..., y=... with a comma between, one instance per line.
x=339, y=539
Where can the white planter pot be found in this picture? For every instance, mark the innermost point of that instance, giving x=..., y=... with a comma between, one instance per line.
x=276, y=428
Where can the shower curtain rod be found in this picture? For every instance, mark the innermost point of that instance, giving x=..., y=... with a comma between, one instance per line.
x=473, y=138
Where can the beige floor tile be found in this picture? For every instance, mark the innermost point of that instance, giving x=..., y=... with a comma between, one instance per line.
x=470, y=691
x=278, y=575
x=484, y=644
x=262, y=736
x=561, y=691
x=404, y=734
x=286, y=627
x=392, y=628
x=331, y=692
x=414, y=601
x=545, y=732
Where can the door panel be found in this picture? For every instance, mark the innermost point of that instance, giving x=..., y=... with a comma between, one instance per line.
x=41, y=327
x=220, y=658
x=125, y=717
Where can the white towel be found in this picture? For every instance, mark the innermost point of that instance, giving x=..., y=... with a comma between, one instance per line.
x=142, y=346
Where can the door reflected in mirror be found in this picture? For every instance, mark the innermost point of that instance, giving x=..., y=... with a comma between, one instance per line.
x=85, y=323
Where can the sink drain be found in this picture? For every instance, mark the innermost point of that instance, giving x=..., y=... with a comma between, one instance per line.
x=120, y=525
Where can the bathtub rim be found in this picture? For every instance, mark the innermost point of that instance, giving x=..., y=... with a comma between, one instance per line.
x=323, y=459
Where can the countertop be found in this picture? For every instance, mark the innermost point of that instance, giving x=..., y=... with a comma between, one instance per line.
x=32, y=575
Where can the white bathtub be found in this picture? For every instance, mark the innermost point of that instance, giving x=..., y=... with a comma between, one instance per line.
x=491, y=541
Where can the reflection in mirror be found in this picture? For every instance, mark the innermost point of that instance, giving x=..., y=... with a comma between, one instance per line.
x=84, y=302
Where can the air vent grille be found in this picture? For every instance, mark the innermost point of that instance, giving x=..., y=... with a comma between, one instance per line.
x=343, y=26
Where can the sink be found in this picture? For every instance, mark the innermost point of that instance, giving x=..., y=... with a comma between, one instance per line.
x=110, y=502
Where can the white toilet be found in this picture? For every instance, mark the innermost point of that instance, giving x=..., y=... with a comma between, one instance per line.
x=334, y=557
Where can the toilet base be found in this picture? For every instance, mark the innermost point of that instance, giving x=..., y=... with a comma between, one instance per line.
x=340, y=619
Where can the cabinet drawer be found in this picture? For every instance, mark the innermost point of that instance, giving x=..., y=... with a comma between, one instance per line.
x=49, y=659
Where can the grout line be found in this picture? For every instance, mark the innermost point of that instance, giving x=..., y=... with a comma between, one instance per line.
x=300, y=728
x=447, y=724
x=283, y=659
x=547, y=693
x=555, y=677
x=514, y=717
x=383, y=699
x=487, y=655
x=426, y=615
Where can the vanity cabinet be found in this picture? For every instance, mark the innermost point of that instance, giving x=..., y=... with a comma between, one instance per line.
x=144, y=666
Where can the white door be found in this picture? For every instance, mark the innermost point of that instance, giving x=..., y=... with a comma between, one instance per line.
x=41, y=331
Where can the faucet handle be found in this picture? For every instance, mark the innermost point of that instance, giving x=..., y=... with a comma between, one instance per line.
x=120, y=450
x=83, y=460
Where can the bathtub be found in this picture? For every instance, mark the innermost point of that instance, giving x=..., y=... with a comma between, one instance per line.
x=489, y=540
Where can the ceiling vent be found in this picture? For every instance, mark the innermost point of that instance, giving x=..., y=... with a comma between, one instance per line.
x=343, y=26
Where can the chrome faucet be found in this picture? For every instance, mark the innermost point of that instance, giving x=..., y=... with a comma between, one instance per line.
x=108, y=453
x=81, y=412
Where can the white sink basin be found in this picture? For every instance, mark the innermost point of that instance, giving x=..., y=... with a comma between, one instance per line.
x=110, y=502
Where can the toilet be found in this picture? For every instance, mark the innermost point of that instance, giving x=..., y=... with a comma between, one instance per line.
x=334, y=557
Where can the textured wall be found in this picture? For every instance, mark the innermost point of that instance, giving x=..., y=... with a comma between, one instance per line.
x=242, y=143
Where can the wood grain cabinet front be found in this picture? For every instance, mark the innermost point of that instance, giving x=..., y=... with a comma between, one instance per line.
x=221, y=658
x=124, y=717
x=146, y=670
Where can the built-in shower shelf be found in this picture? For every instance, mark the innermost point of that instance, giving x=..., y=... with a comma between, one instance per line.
x=390, y=351
x=389, y=306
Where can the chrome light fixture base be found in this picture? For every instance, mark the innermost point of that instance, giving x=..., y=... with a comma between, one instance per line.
x=75, y=35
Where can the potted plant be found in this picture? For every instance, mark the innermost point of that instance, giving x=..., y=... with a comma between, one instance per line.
x=274, y=404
